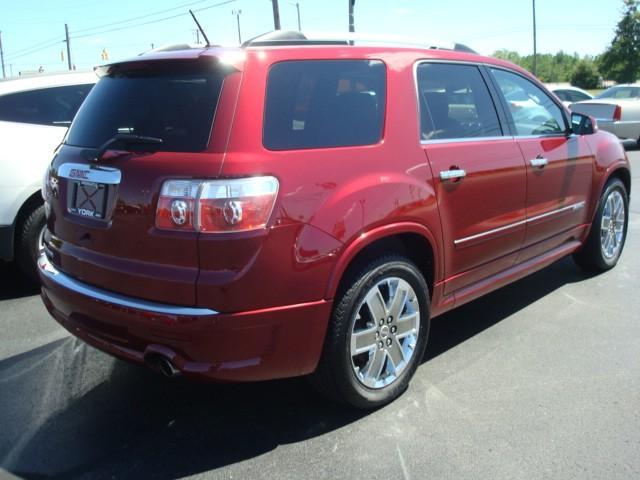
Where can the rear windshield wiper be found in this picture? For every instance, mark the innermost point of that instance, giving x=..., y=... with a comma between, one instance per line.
x=126, y=139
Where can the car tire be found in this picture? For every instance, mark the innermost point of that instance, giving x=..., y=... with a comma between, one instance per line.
x=29, y=242
x=606, y=239
x=394, y=347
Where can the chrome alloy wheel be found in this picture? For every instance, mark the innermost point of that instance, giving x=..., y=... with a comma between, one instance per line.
x=612, y=225
x=384, y=332
x=40, y=241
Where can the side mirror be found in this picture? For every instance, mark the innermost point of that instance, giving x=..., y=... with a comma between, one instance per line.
x=582, y=124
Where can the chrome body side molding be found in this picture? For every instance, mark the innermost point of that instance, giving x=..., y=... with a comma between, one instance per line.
x=461, y=241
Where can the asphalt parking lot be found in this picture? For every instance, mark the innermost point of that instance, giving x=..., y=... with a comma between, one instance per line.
x=540, y=379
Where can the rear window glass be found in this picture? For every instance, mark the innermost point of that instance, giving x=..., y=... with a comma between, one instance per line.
x=324, y=103
x=45, y=106
x=176, y=104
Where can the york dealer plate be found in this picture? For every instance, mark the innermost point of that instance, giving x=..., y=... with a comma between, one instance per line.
x=88, y=199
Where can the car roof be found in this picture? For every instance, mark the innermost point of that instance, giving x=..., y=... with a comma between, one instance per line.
x=636, y=85
x=308, y=49
x=565, y=87
x=35, y=82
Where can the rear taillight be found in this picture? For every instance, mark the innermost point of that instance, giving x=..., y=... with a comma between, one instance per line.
x=617, y=113
x=215, y=206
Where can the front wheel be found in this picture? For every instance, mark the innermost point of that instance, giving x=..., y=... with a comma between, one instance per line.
x=377, y=334
x=608, y=232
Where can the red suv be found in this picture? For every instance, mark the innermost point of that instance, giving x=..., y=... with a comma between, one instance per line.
x=301, y=207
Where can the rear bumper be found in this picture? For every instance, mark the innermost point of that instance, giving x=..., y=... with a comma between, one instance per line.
x=246, y=346
x=6, y=242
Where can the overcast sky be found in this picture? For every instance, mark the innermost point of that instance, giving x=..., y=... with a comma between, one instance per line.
x=33, y=30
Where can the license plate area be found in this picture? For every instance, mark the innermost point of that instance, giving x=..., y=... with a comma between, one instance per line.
x=88, y=199
x=91, y=190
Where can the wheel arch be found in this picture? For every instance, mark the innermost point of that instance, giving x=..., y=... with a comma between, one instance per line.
x=623, y=174
x=29, y=205
x=410, y=239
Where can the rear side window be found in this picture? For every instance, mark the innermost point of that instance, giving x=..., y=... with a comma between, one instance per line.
x=578, y=96
x=455, y=103
x=621, y=92
x=324, y=103
x=170, y=102
x=46, y=106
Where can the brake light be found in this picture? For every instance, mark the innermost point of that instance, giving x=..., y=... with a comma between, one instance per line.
x=177, y=204
x=617, y=113
x=215, y=206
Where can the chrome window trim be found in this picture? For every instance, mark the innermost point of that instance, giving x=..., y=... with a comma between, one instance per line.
x=63, y=280
x=90, y=173
x=549, y=135
x=575, y=206
x=466, y=139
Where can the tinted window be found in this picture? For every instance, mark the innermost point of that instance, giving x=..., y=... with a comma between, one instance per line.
x=174, y=103
x=620, y=92
x=455, y=103
x=578, y=96
x=324, y=103
x=532, y=110
x=46, y=106
x=564, y=95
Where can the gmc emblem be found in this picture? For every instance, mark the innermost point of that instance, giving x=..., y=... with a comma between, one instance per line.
x=77, y=173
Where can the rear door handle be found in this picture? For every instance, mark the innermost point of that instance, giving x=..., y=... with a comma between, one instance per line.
x=452, y=174
x=539, y=162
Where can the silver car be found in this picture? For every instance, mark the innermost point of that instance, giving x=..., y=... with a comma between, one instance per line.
x=617, y=110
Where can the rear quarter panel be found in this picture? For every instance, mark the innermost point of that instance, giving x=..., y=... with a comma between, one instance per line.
x=343, y=192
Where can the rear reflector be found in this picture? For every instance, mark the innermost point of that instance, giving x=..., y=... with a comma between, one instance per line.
x=617, y=113
x=216, y=206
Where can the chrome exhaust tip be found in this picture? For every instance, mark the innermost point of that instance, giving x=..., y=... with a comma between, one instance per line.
x=161, y=364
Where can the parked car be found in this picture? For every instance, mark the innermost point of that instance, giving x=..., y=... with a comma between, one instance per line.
x=617, y=110
x=35, y=113
x=570, y=94
x=297, y=207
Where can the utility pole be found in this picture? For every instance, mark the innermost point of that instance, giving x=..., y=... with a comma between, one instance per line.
x=2, y=56
x=237, y=14
x=535, y=49
x=276, y=14
x=298, y=9
x=66, y=34
x=351, y=23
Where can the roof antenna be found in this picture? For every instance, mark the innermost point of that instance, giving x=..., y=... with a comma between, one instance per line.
x=200, y=28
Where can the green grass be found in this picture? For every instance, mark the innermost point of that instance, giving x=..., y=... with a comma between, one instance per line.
x=595, y=91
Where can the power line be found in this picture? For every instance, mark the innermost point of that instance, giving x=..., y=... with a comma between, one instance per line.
x=160, y=12
x=93, y=34
x=17, y=52
x=33, y=50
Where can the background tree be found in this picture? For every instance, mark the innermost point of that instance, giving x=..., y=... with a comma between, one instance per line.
x=551, y=68
x=585, y=75
x=621, y=61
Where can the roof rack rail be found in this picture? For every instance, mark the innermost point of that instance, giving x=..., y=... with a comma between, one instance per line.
x=290, y=37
